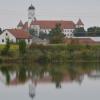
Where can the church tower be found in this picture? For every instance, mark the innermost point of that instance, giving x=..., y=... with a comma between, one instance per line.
x=31, y=14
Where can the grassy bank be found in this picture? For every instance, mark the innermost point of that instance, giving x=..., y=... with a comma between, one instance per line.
x=54, y=53
x=65, y=53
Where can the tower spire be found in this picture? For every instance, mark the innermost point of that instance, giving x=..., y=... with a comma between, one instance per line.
x=31, y=14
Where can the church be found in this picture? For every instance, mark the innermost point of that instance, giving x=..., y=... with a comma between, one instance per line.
x=47, y=25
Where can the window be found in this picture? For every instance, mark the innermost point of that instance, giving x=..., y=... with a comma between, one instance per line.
x=6, y=34
x=28, y=40
x=71, y=30
x=2, y=40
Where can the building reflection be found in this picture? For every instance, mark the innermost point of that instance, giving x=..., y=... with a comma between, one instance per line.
x=32, y=90
x=38, y=74
x=94, y=74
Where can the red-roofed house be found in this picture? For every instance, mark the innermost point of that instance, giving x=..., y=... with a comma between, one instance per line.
x=15, y=35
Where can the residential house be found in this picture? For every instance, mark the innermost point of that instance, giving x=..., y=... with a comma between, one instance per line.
x=15, y=35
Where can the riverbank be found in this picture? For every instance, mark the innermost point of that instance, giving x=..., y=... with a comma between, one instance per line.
x=53, y=54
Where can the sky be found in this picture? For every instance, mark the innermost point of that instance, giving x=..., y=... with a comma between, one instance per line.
x=12, y=11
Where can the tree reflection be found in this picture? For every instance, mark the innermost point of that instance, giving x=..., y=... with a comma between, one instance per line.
x=32, y=90
x=22, y=74
x=57, y=73
x=6, y=73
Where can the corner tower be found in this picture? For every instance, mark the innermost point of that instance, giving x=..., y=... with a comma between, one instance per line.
x=80, y=24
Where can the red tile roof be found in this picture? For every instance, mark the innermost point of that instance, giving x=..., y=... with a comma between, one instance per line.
x=46, y=24
x=83, y=41
x=20, y=34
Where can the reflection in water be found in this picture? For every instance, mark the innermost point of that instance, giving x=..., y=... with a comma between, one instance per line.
x=95, y=74
x=32, y=90
x=58, y=74
x=11, y=75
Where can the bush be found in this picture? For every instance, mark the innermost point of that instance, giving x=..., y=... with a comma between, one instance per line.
x=6, y=49
x=22, y=47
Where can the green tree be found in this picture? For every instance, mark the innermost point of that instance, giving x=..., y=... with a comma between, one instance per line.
x=56, y=35
x=22, y=47
x=43, y=35
x=1, y=31
x=79, y=32
x=33, y=32
x=6, y=49
x=93, y=31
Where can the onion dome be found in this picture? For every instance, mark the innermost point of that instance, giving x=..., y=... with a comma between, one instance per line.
x=31, y=7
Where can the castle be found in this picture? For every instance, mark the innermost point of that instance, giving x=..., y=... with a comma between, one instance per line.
x=47, y=25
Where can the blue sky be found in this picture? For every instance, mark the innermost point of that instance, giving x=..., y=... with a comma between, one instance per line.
x=11, y=11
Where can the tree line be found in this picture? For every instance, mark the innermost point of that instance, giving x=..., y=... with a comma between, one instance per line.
x=91, y=31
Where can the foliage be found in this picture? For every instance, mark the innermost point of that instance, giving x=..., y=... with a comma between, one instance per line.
x=64, y=53
x=6, y=49
x=93, y=31
x=78, y=32
x=55, y=53
x=56, y=36
x=22, y=47
x=1, y=31
x=33, y=32
x=43, y=35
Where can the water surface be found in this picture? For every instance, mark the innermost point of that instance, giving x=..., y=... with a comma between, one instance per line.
x=72, y=81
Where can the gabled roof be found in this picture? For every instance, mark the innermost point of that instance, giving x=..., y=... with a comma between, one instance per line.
x=79, y=22
x=20, y=24
x=19, y=34
x=47, y=24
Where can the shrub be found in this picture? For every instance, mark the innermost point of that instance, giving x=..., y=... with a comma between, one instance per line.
x=22, y=47
x=6, y=49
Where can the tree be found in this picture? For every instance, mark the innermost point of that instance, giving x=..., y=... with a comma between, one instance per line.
x=56, y=35
x=6, y=49
x=22, y=47
x=1, y=31
x=33, y=32
x=79, y=32
x=43, y=35
x=93, y=31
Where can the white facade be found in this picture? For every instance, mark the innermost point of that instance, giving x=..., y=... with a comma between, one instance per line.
x=45, y=30
x=79, y=26
x=7, y=35
x=36, y=28
x=31, y=14
x=68, y=32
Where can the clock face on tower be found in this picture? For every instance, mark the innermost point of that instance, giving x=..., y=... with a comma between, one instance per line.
x=31, y=14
